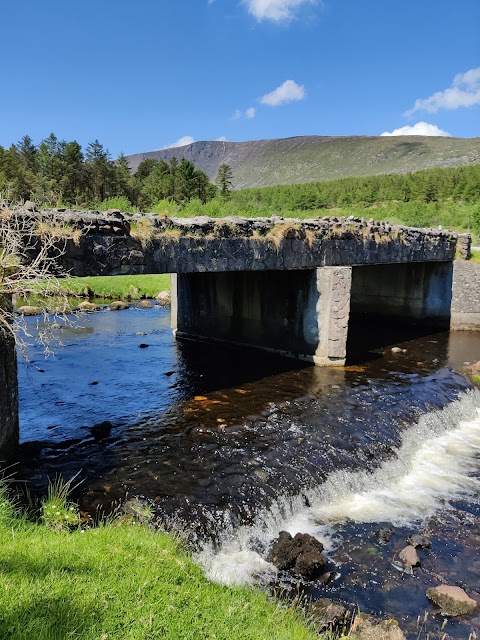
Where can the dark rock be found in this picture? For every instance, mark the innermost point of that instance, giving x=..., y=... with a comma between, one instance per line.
x=327, y=615
x=101, y=430
x=383, y=535
x=302, y=555
x=419, y=541
x=144, y=346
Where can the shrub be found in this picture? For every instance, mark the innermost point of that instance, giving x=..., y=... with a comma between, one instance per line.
x=165, y=208
x=117, y=202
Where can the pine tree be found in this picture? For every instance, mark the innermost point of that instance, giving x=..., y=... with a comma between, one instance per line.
x=224, y=180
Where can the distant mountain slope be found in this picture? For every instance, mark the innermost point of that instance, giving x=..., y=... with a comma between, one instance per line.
x=308, y=158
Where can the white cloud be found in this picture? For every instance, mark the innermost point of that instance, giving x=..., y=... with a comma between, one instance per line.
x=419, y=129
x=289, y=91
x=248, y=114
x=221, y=139
x=181, y=142
x=275, y=10
x=464, y=92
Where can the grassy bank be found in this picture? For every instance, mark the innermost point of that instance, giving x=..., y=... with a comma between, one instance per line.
x=115, y=287
x=122, y=581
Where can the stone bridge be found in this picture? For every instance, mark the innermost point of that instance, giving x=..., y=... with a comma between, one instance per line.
x=280, y=284
x=284, y=285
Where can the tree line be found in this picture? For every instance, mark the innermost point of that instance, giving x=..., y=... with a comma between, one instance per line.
x=57, y=172
x=459, y=184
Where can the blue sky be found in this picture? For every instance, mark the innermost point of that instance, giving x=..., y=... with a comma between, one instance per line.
x=143, y=75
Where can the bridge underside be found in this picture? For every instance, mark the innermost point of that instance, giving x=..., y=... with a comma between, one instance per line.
x=305, y=313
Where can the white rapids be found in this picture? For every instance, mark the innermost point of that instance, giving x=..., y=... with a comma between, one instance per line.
x=438, y=461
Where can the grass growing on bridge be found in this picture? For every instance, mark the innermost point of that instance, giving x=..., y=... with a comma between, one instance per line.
x=122, y=581
x=118, y=287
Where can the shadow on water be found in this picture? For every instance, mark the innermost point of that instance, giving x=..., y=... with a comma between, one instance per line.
x=369, y=336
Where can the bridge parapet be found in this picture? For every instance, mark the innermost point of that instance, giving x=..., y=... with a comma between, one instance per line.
x=120, y=244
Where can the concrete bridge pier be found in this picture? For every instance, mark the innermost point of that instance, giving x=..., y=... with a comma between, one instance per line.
x=300, y=313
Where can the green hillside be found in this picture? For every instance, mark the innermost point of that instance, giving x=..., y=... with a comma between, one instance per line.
x=310, y=158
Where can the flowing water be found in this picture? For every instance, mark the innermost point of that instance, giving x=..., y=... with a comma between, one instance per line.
x=233, y=446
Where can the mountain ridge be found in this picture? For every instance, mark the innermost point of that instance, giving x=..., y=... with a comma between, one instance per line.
x=258, y=163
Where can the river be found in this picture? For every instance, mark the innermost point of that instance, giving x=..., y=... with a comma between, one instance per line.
x=232, y=446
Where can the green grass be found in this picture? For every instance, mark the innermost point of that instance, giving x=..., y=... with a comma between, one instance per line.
x=475, y=256
x=122, y=581
x=115, y=287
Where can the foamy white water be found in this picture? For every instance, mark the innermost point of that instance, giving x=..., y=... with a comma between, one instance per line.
x=437, y=462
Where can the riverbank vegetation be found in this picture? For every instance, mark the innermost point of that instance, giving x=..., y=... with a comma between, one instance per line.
x=117, y=287
x=119, y=580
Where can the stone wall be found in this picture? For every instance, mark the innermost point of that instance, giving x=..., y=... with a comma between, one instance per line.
x=466, y=296
x=118, y=243
x=8, y=393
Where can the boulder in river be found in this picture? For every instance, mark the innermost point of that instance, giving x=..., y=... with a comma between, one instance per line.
x=118, y=305
x=328, y=615
x=301, y=555
x=163, y=298
x=383, y=535
x=453, y=601
x=409, y=556
x=101, y=430
x=366, y=627
x=28, y=310
x=144, y=304
x=419, y=541
x=88, y=306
